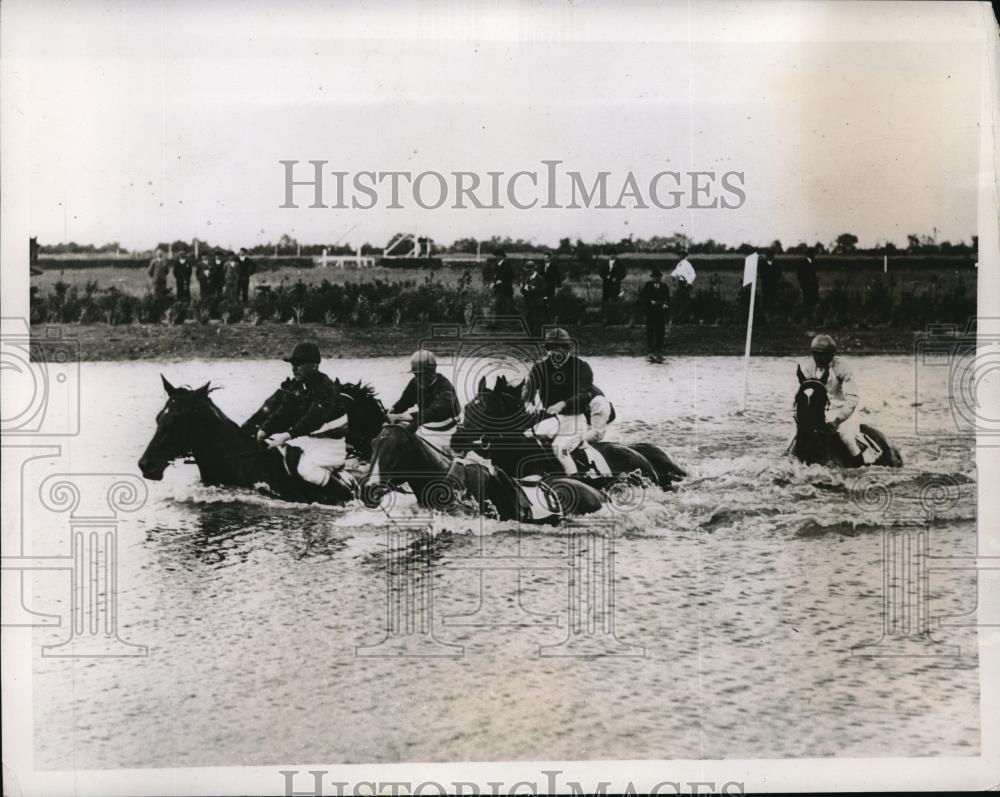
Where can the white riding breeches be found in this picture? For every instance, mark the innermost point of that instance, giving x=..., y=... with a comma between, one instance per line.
x=566, y=432
x=848, y=431
x=320, y=457
x=600, y=414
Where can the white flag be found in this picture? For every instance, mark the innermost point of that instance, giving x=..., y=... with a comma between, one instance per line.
x=750, y=269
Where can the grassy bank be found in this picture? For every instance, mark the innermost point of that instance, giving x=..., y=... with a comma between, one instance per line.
x=236, y=341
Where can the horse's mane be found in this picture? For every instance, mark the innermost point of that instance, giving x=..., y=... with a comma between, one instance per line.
x=202, y=394
x=359, y=390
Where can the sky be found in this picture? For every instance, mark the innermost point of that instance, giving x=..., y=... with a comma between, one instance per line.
x=141, y=122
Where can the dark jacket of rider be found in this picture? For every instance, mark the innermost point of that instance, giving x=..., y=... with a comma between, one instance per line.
x=297, y=407
x=435, y=403
x=571, y=381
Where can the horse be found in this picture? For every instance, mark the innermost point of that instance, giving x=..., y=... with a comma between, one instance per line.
x=816, y=443
x=440, y=481
x=190, y=424
x=495, y=423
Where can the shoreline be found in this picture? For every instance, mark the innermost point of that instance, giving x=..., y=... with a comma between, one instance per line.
x=100, y=342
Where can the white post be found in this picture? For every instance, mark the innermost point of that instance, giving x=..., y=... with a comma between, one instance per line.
x=479, y=251
x=885, y=264
x=746, y=351
x=323, y=261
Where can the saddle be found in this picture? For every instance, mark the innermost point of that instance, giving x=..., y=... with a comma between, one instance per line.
x=589, y=460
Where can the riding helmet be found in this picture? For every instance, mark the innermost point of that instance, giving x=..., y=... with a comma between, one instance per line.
x=423, y=360
x=823, y=343
x=304, y=352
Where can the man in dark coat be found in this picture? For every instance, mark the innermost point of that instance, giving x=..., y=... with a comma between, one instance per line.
x=612, y=276
x=217, y=274
x=565, y=385
x=553, y=281
x=182, y=276
x=244, y=268
x=299, y=407
x=808, y=283
x=159, y=268
x=428, y=402
x=533, y=289
x=655, y=298
x=503, y=287
x=203, y=272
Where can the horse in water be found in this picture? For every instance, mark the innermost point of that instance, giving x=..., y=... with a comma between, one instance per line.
x=497, y=425
x=440, y=481
x=191, y=425
x=817, y=444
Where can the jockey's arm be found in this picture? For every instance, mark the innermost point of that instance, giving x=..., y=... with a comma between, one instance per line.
x=440, y=408
x=849, y=391
x=576, y=403
x=269, y=409
x=402, y=409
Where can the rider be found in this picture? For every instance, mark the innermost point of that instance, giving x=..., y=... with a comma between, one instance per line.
x=565, y=384
x=842, y=391
x=302, y=404
x=432, y=397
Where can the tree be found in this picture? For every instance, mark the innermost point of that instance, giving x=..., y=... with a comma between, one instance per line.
x=777, y=248
x=845, y=243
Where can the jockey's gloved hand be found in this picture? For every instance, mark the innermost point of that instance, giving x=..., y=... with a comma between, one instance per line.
x=279, y=439
x=261, y=434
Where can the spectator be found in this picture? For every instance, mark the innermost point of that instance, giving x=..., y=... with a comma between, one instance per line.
x=216, y=275
x=533, y=289
x=244, y=268
x=203, y=271
x=655, y=298
x=808, y=283
x=503, y=287
x=553, y=279
x=770, y=282
x=159, y=267
x=232, y=277
x=612, y=276
x=182, y=276
x=683, y=276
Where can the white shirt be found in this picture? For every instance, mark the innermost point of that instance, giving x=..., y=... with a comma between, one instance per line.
x=841, y=388
x=685, y=271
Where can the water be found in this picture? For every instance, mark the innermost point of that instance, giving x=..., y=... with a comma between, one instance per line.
x=737, y=598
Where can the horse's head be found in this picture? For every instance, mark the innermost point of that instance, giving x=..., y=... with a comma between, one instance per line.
x=176, y=427
x=811, y=402
x=365, y=414
x=491, y=414
x=392, y=455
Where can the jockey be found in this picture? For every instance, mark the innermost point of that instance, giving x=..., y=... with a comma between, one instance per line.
x=565, y=384
x=302, y=404
x=433, y=398
x=842, y=391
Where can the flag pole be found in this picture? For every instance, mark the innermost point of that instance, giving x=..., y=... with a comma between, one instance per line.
x=746, y=351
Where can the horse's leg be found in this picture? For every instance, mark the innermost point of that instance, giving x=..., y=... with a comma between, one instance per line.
x=667, y=470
